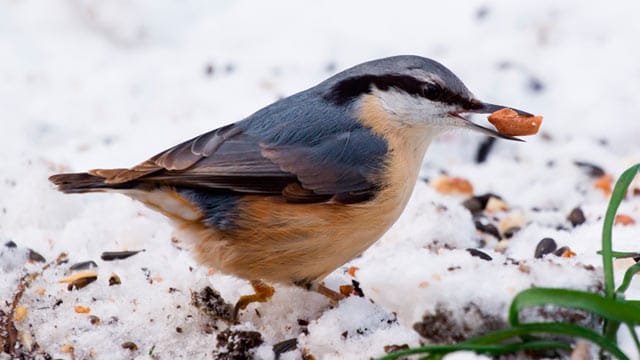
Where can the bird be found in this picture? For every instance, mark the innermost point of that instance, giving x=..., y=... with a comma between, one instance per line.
x=294, y=191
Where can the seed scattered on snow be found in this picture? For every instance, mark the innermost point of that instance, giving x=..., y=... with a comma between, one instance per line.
x=79, y=275
x=346, y=290
x=508, y=233
x=118, y=255
x=352, y=270
x=479, y=254
x=604, y=183
x=114, y=280
x=622, y=219
x=21, y=313
x=592, y=170
x=545, y=246
x=81, y=309
x=84, y=265
x=513, y=220
x=35, y=257
x=80, y=279
x=452, y=186
x=496, y=205
x=66, y=348
x=129, y=345
x=576, y=217
x=487, y=228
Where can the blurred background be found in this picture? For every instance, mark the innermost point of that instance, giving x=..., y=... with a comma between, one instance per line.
x=89, y=83
x=108, y=83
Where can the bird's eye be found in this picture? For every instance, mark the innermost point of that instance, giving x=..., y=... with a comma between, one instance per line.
x=432, y=91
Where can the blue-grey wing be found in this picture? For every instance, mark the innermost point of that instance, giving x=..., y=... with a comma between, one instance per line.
x=299, y=149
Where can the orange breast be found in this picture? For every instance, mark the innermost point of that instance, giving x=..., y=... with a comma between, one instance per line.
x=282, y=242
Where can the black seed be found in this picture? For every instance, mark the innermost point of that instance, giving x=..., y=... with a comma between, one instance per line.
x=94, y=320
x=576, y=217
x=129, y=345
x=592, y=170
x=34, y=256
x=179, y=330
x=303, y=322
x=545, y=246
x=484, y=149
x=476, y=204
x=83, y=265
x=561, y=251
x=508, y=234
x=487, y=229
x=356, y=288
x=82, y=282
x=10, y=244
x=285, y=346
x=118, y=255
x=480, y=254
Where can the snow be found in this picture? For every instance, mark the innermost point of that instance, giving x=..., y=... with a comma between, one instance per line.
x=86, y=84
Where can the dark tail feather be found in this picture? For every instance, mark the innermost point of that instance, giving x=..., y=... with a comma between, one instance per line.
x=83, y=182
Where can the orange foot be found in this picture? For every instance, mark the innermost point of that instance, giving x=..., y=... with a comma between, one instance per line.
x=263, y=293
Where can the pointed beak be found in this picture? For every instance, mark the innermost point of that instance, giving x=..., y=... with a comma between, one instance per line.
x=486, y=108
x=479, y=107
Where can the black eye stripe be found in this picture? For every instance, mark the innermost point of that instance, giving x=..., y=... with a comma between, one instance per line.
x=348, y=89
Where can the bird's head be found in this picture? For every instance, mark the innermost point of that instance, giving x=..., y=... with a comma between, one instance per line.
x=416, y=90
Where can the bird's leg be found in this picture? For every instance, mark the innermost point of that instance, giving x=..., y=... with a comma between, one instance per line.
x=263, y=292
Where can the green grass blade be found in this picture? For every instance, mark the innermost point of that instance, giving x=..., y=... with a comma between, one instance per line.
x=490, y=343
x=628, y=276
x=621, y=311
x=617, y=196
x=621, y=254
x=435, y=351
x=552, y=328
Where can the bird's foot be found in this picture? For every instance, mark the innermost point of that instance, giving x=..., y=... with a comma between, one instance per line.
x=263, y=292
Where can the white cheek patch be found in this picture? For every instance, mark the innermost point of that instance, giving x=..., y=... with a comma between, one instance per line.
x=410, y=109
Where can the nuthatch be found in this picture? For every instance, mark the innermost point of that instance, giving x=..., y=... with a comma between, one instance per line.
x=302, y=186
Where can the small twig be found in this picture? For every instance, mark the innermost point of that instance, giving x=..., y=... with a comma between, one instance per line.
x=7, y=325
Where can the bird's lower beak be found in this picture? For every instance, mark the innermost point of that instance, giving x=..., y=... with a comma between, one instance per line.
x=485, y=108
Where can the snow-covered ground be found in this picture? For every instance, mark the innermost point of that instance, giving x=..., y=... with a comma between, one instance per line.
x=86, y=84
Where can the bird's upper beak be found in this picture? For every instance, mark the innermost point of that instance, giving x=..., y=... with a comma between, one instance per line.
x=480, y=107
